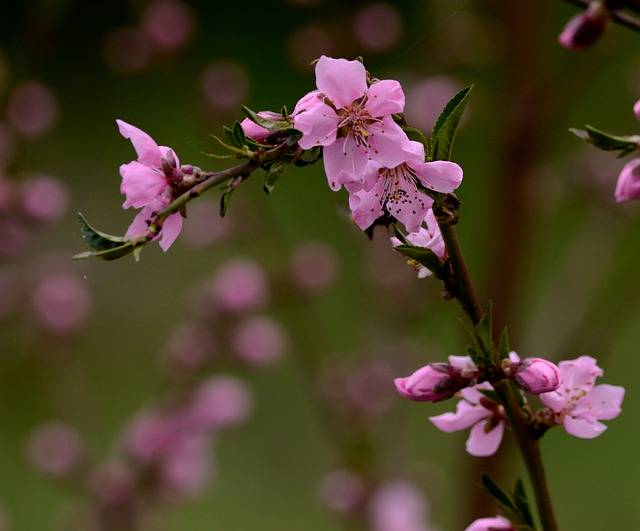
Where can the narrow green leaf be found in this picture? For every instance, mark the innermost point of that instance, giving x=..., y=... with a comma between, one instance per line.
x=607, y=141
x=224, y=200
x=498, y=494
x=520, y=499
x=239, y=139
x=484, y=331
x=273, y=173
x=503, y=347
x=444, y=131
x=107, y=254
x=425, y=257
x=97, y=240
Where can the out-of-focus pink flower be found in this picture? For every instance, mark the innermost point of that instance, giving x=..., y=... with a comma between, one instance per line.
x=378, y=26
x=426, y=99
x=628, y=185
x=225, y=85
x=204, y=226
x=534, y=375
x=427, y=237
x=168, y=23
x=585, y=29
x=32, y=108
x=221, y=402
x=150, y=435
x=394, y=188
x=112, y=483
x=255, y=131
x=187, y=469
x=437, y=381
x=578, y=403
x=127, y=50
x=190, y=344
x=308, y=42
x=497, y=523
x=636, y=109
x=44, y=198
x=313, y=266
x=399, y=505
x=239, y=285
x=146, y=184
x=55, y=449
x=341, y=491
x=351, y=120
x=61, y=303
x=260, y=341
x=484, y=416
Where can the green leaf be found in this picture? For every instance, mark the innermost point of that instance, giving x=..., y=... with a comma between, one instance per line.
x=444, y=132
x=425, y=257
x=239, y=139
x=490, y=393
x=417, y=135
x=224, y=200
x=498, y=494
x=503, y=347
x=97, y=240
x=520, y=499
x=484, y=331
x=274, y=171
x=309, y=156
x=607, y=141
x=270, y=125
x=107, y=254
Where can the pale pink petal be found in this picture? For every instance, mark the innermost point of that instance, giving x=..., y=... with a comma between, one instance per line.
x=170, y=155
x=389, y=145
x=555, y=400
x=344, y=162
x=385, y=97
x=580, y=373
x=408, y=205
x=584, y=428
x=145, y=146
x=604, y=402
x=439, y=175
x=473, y=394
x=141, y=184
x=340, y=80
x=365, y=207
x=482, y=443
x=140, y=223
x=513, y=357
x=465, y=416
x=308, y=101
x=170, y=230
x=628, y=183
x=318, y=125
x=462, y=363
x=498, y=523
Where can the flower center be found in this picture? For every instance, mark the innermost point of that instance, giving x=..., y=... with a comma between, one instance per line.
x=356, y=122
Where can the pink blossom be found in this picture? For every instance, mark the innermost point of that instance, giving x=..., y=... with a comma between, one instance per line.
x=150, y=435
x=341, y=491
x=55, y=449
x=351, y=120
x=239, y=285
x=497, y=523
x=437, y=381
x=398, y=505
x=260, y=341
x=187, y=468
x=255, y=131
x=534, y=375
x=313, y=266
x=146, y=184
x=476, y=411
x=44, y=198
x=61, y=303
x=221, y=402
x=578, y=403
x=628, y=185
x=429, y=237
x=394, y=188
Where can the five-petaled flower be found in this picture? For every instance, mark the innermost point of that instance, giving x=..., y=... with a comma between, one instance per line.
x=578, y=403
x=484, y=416
x=147, y=184
x=351, y=120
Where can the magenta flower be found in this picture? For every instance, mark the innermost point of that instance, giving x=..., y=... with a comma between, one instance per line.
x=437, y=381
x=534, y=375
x=578, y=403
x=478, y=412
x=429, y=237
x=146, y=184
x=395, y=188
x=628, y=185
x=351, y=120
x=255, y=131
x=584, y=29
x=497, y=523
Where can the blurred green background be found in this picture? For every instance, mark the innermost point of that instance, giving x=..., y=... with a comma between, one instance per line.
x=542, y=234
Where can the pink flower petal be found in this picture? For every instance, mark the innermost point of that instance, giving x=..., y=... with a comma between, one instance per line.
x=141, y=184
x=170, y=230
x=344, y=163
x=628, y=184
x=439, y=175
x=365, y=207
x=385, y=97
x=140, y=223
x=482, y=443
x=465, y=416
x=636, y=109
x=580, y=373
x=604, y=402
x=318, y=125
x=498, y=523
x=408, y=205
x=584, y=428
x=145, y=146
x=340, y=80
x=389, y=145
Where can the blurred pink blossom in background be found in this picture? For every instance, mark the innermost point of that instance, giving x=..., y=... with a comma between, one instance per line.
x=190, y=345
x=43, y=198
x=239, y=285
x=341, y=491
x=313, y=266
x=259, y=340
x=32, y=108
x=55, y=449
x=61, y=303
x=225, y=85
x=221, y=402
x=169, y=24
x=398, y=505
x=378, y=26
x=426, y=98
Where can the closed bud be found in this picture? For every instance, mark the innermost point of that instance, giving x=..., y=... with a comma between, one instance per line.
x=628, y=185
x=585, y=29
x=537, y=375
x=431, y=383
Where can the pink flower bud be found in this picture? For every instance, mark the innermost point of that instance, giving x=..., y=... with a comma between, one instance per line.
x=585, y=29
x=537, y=375
x=255, y=131
x=431, y=383
x=628, y=185
x=55, y=449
